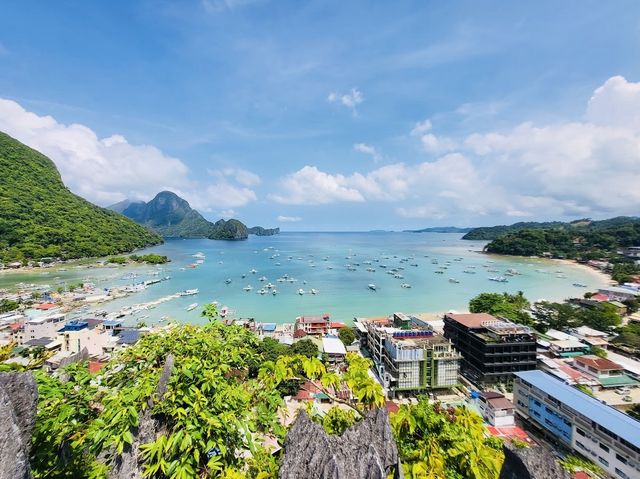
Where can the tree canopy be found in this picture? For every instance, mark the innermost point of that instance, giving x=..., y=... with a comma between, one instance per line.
x=509, y=306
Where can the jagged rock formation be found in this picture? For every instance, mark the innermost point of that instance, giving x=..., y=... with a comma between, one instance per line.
x=129, y=465
x=366, y=450
x=531, y=463
x=18, y=405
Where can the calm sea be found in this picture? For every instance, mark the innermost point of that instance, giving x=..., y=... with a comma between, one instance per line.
x=320, y=260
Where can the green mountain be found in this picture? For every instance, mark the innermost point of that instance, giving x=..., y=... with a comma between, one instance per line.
x=583, y=239
x=493, y=232
x=40, y=217
x=173, y=217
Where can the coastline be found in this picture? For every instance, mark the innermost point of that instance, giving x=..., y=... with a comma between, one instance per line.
x=601, y=275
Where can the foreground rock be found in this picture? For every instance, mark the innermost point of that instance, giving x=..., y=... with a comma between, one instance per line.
x=366, y=450
x=129, y=465
x=18, y=406
x=531, y=463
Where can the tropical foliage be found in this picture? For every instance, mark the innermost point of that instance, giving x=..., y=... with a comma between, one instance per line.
x=582, y=240
x=40, y=217
x=509, y=306
x=7, y=305
x=346, y=335
x=435, y=442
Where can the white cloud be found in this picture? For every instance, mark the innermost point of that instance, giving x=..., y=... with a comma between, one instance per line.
x=368, y=150
x=314, y=187
x=564, y=169
x=430, y=142
x=243, y=177
x=227, y=213
x=107, y=170
x=101, y=170
x=350, y=100
x=288, y=219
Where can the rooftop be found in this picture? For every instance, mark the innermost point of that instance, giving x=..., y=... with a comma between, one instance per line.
x=313, y=319
x=332, y=345
x=622, y=425
x=471, y=320
x=601, y=364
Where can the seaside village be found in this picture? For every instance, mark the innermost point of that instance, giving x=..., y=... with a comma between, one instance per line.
x=549, y=388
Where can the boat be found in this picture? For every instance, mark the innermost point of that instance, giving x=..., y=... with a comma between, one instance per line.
x=248, y=287
x=227, y=281
x=192, y=306
x=498, y=279
x=454, y=281
x=314, y=291
x=405, y=285
x=274, y=291
x=199, y=255
x=580, y=285
x=398, y=276
x=469, y=271
x=262, y=291
x=301, y=291
x=439, y=272
x=244, y=276
x=189, y=292
x=372, y=287
x=263, y=278
x=371, y=270
x=253, y=271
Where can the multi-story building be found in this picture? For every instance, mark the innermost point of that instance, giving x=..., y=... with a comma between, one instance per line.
x=581, y=423
x=319, y=325
x=492, y=348
x=496, y=409
x=409, y=356
x=43, y=327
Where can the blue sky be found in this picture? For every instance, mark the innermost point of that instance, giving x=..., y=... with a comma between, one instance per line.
x=334, y=115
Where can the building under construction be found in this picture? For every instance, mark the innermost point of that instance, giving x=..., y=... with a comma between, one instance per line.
x=408, y=355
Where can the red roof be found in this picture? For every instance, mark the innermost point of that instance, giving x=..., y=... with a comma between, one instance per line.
x=391, y=406
x=16, y=326
x=471, y=320
x=299, y=333
x=338, y=325
x=601, y=364
x=45, y=306
x=600, y=297
x=511, y=432
x=95, y=366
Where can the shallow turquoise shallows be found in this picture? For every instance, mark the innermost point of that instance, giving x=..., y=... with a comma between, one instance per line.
x=322, y=261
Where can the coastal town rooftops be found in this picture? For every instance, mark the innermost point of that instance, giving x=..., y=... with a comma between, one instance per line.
x=497, y=401
x=587, y=331
x=607, y=417
x=332, y=345
x=47, y=319
x=619, y=290
x=471, y=320
x=313, y=319
x=600, y=364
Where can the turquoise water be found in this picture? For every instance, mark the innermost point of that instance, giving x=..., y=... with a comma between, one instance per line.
x=341, y=292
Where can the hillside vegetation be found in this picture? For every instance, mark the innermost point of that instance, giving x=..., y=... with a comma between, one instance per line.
x=40, y=217
x=587, y=240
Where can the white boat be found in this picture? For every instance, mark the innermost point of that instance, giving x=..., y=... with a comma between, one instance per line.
x=253, y=271
x=274, y=291
x=301, y=291
x=192, y=306
x=248, y=287
x=227, y=281
x=405, y=285
x=453, y=280
x=371, y=270
x=263, y=278
x=262, y=291
x=314, y=291
x=498, y=279
x=224, y=311
x=199, y=255
x=189, y=292
x=580, y=285
x=372, y=287
x=468, y=271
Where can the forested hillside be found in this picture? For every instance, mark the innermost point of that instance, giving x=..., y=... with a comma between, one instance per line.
x=40, y=217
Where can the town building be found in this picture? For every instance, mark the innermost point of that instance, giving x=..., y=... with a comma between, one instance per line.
x=334, y=349
x=409, y=356
x=590, y=336
x=492, y=348
x=579, y=422
x=618, y=293
x=496, y=409
x=316, y=325
x=607, y=373
x=76, y=336
x=43, y=327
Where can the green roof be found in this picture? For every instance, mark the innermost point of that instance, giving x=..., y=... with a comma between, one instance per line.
x=321, y=396
x=616, y=381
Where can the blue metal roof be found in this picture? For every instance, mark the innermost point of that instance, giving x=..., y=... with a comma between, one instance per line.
x=111, y=322
x=74, y=326
x=268, y=326
x=622, y=425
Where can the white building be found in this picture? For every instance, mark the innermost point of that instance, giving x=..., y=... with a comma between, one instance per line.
x=496, y=409
x=43, y=327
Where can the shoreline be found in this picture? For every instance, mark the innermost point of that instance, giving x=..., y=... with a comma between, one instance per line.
x=605, y=277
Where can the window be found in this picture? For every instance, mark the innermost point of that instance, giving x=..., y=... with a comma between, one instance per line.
x=604, y=447
x=620, y=458
x=603, y=461
x=621, y=474
x=580, y=431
